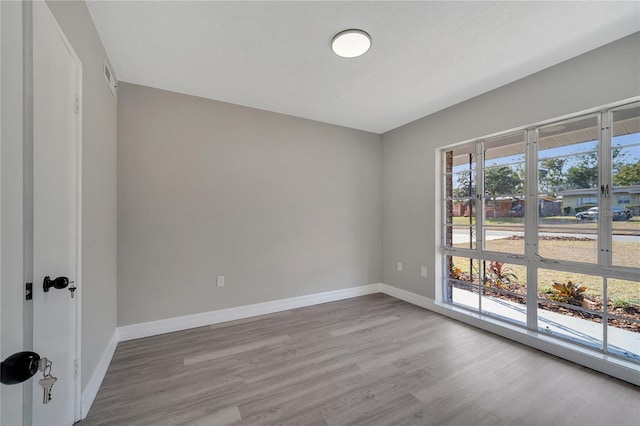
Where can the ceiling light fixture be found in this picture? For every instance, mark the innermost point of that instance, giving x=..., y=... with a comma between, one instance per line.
x=351, y=43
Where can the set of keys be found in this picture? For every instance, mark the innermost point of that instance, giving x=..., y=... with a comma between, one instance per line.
x=48, y=380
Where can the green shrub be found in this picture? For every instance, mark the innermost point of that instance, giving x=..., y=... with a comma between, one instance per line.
x=570, y=292
x=620, y=302
x=499, y=275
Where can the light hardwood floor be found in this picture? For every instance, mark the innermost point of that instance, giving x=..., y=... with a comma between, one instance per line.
x=371, y=360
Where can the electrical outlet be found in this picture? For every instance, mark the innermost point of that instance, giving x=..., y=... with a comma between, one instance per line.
x=220, y=281
x=399, y=266
x=423, y=271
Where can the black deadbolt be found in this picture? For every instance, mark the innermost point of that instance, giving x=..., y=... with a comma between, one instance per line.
x=59, y=283
x=19, y=367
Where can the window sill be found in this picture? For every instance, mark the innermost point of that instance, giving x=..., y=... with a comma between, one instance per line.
x=611, y=365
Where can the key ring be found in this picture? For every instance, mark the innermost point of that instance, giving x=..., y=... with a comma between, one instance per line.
x=47, y=369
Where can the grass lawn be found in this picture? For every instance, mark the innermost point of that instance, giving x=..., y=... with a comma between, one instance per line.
x=625, y=253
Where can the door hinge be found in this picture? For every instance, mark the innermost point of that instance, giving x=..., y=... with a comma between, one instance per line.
x=76, y=368
x=76, y=104
x=28, y=291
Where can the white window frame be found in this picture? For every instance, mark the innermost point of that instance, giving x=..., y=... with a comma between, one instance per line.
x=531, y=259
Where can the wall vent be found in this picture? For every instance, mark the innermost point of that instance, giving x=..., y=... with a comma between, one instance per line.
x=111, y=81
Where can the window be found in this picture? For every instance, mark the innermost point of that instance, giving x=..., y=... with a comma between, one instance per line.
x=503, y=182
x=587, y=200
x=624, y=199
x=573, y=276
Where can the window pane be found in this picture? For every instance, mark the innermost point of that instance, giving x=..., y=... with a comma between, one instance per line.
x=570, y=306
x=462, y=237
x=464, y=282
x=504, y=239
x=464, y=211
x=460, y=196
x=504, y=206
x=568, y=190
x=460, y=165
x=570, y=288
x=464, y=184
x=623, y=304
x=505, y=291
x=571, y=324
x=625, y=197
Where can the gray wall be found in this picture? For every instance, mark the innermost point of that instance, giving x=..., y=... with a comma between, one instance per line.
x=280, y=206
x=410, y=153
x=99, y=230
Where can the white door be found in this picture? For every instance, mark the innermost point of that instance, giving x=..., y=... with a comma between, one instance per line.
x=56, y=214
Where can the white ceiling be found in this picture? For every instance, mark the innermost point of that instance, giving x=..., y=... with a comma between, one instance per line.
x=276, y=56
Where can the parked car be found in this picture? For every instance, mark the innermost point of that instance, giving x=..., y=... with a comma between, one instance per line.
x=617, y=213
x=591, y=214
x=517, y=211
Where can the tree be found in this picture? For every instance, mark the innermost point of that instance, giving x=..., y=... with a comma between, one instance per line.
x=584, y=174
x=551, y=177
x=627, y=174
x=466, y=186
x=617, y=158
x=502, y=180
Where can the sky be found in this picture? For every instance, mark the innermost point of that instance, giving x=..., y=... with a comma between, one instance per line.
x=629, y=144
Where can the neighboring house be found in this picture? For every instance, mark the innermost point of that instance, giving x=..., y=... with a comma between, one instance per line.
x=549, y=206
x=463, y=209
x=622, y=196
x=509, y=207
x=500, y=207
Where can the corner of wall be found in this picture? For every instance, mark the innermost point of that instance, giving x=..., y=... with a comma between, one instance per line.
x=90, y=391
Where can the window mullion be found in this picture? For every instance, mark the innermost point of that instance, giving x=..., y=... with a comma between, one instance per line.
x=479, y=229
x=480, y=197
x=531, y=227
x=605, y=225
x=606, y=189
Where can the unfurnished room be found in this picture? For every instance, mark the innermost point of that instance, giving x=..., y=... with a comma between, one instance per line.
x=319, y=212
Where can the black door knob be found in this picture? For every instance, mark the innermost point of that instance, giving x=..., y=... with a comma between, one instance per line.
x=59, y=283
x=19, y=367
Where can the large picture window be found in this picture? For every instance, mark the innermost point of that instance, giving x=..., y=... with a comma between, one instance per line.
x=541, y=229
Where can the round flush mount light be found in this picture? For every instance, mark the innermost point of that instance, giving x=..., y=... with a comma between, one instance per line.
x=351, y=43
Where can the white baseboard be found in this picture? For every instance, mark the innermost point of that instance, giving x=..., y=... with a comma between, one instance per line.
x=153, y=328
x=598, y=361
x=407, y=296
x=91, y=390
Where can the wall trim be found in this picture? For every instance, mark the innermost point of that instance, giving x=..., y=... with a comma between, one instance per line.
x=612, y=366
x=407, y=296
x=93, y=386
x=153, y=328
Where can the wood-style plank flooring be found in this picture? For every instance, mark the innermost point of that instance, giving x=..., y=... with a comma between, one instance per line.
x=371, y=360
